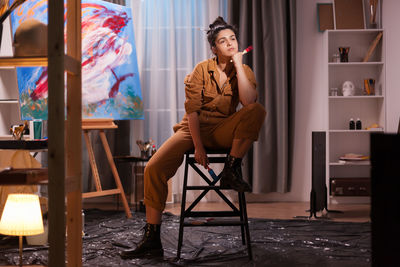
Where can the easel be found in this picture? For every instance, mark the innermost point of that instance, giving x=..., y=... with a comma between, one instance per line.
x=101, y=125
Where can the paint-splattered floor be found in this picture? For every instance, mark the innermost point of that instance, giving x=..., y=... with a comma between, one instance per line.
x=274, y=243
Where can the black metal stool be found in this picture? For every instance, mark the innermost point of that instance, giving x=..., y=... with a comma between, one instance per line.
x=240, y=212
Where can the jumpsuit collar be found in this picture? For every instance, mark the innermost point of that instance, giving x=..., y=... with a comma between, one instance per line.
x=212, y=68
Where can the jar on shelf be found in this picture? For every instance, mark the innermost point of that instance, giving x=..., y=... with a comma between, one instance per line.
x=336, y=58
x=333, y=91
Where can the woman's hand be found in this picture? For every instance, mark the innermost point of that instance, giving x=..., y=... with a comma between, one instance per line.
x=237, y=59
x=200, y=156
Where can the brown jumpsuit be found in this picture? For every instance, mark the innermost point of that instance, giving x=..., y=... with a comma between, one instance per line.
x=220, y=123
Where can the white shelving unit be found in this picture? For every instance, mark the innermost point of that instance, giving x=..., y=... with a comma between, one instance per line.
x=9, y=107
x=369, y=108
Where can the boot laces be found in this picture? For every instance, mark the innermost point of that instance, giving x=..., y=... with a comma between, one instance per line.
x=147, y=230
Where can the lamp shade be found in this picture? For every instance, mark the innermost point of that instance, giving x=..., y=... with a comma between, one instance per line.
x=21, y=215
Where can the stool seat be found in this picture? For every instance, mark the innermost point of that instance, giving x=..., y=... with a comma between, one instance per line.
x=240, y=212
x=212, y=151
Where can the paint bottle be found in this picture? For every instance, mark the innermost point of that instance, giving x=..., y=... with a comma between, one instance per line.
x=153, y=150
x=358, y=124
x=352, y=125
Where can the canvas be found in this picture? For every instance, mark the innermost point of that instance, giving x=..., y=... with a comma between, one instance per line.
x=110, y=77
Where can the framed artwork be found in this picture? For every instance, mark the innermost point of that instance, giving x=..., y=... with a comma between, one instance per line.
x=325, y=16
x=349, y=14
x=110, y=78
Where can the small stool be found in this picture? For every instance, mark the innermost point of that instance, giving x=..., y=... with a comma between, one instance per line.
x=136, y=193
x=240, y=212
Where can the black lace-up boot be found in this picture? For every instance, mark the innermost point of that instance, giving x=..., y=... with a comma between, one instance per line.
x=149, y=246
x=231, y=176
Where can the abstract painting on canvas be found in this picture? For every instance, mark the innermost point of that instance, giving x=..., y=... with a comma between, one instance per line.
x=110, y=77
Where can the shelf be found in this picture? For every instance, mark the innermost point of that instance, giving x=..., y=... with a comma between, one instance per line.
x=9, y=137
x=354, y=30
x=24, y=144
x=71, y=65
x=356, y=131
x=8, y=101
x=23, y=176
x=23, y=61
x=6, y=67
x=350, y=199
x=356, y=163
x=357, y=97
x=345, y=64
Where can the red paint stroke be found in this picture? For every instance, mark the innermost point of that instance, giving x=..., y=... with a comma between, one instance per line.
x=41, y=87
x=115, y=87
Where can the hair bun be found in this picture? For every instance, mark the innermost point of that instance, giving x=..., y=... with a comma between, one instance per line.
x=217, y=22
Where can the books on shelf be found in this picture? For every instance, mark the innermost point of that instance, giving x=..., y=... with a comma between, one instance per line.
x=347, y=162
x=378, y=129
x=354, y=159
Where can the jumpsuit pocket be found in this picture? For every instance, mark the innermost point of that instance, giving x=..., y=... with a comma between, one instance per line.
x=209, y=96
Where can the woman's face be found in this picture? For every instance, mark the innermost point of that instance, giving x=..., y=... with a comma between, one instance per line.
x=226, y=44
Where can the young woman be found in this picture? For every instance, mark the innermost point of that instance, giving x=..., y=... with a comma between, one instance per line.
x=213, y=92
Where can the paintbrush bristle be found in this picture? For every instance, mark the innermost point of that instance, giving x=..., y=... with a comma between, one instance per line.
x=248, y=49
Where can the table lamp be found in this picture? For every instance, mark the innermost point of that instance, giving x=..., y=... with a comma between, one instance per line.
x=21, y=217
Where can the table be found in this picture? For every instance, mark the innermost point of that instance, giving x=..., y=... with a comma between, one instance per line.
x=24, y=144
x=19, y=171
x=31, y=145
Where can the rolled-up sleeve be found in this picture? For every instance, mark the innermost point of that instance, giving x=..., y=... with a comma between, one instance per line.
x=194, y=84
x=250, y=75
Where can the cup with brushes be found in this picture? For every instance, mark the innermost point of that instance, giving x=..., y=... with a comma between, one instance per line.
x=18, y=131
x=145, y=148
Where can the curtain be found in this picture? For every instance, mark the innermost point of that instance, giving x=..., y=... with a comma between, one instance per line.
x=269, y=26
x=170, y=40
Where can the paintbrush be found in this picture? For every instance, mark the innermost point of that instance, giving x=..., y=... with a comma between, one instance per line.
x=212, y=173
x=11, y=9
x=247, y=50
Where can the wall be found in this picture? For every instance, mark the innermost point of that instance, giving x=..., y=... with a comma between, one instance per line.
x=311, y=102
x=390, y=17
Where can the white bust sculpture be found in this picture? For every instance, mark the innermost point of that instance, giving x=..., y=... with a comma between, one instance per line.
x=348, y=89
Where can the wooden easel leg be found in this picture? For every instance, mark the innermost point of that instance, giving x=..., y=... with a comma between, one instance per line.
x=92, y=161
x=115, y=173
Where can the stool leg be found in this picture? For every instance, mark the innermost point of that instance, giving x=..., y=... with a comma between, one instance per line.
x=241, y=217
x=246, y=225
x=183, y=205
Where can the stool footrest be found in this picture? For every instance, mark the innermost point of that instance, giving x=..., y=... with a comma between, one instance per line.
x=212, y=223
x=210, y=160
x=204, y=187
x=211, y=214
